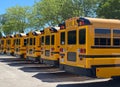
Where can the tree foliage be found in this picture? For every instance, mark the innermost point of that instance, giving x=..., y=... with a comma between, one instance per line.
x=45, y=13
x=53, y=12
x=3, y=19
x=17, y=19
x=35, y=19
x=48, y=11
x=109, y=9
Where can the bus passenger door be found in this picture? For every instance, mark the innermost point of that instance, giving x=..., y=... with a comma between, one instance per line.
x=71, y=47
x=81, y=48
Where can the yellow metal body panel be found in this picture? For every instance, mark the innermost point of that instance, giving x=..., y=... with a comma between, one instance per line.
x=10, y=44
x=33, y=50
x=20, y=48
x=107, y=72
x=42, y=45
x=63, y=44
x=3, y=45
x=94, y=55
x=53, y=54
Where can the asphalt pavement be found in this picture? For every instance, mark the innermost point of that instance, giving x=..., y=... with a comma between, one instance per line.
x=16, y=72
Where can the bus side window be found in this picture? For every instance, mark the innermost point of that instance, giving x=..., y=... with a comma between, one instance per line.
x=116, y=37
x=25, y=42
x=13, y=42
x=102, y=37
x=19, y=41
x=52, y=39
x=34, y=41
x=30, y=41
x=16, y=41
x=47, y=40
x=72, y=37
x=42, y=40
x=62, y=38
x=82, y=36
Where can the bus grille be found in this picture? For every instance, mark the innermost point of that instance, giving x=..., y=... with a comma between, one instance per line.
x=47, y=52
x=71, y=56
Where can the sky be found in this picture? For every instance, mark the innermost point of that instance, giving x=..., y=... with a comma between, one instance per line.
x=4, y=4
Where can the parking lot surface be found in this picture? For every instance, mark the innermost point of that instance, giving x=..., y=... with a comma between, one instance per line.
x=16, y=72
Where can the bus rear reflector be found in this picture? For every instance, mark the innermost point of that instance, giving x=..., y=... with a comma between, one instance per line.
x=52, y=49
x=82, y=50
x=61, y=49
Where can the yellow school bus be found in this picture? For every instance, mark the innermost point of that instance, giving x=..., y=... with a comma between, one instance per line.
x=42, y=40
x=91, y=47
x=33, y=46
x=3, y=45
x=10, y=45
x=0, y=45
x=20, y=45
x=50, y=46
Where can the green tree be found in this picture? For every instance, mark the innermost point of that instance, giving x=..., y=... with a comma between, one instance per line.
x=17, y=19
x=109, y=9
x=52, y=12
x=72, y=8
x=36, y=22
x=3, y=19
x=0, y=34
x=48, y=11
x=89, y=7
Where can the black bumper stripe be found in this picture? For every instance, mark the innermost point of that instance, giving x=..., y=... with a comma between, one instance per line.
x=110, y=65
x=55, y=52
x=106, y=47
x=99, y=56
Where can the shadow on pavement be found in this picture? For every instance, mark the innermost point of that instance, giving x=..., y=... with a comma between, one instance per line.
x=11, y=59
x=59, y=76
x=110, y=83
x=21, y=63
x=40, y=68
